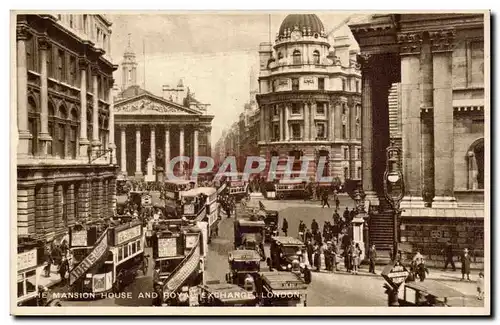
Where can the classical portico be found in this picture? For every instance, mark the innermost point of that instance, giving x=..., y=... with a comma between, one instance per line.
x=153, y=128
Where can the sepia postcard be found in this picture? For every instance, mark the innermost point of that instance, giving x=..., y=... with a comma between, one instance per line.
x=203, y=163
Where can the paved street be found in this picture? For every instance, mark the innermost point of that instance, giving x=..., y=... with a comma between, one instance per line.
x=326, y=289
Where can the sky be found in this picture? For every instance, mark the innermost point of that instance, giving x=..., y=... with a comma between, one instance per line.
x=216, y=54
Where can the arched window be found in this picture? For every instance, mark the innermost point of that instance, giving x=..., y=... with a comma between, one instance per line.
x=51, y=129
x=33, y=125
x=316, y=57
x=476, y=165
x=280, y=56
x=62, y=124
x=89, y=124
x=73, y=134
x=297, y=57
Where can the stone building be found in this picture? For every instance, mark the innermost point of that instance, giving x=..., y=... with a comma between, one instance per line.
x=310, y=99
x=424, y=88
x=65, y=172
x=156, y=129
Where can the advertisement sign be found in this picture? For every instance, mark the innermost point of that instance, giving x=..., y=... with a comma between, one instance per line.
x=99, y=282
x=98, y=251
x=26, y=260
x=128, y=234
x=191, y=240
x=167, y=247
x=78, y=238
x=395, y=274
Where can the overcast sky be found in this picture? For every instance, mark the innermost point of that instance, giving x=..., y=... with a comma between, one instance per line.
x=213, y=53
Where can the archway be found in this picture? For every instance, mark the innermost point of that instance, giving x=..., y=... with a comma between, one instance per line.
x=476, y=165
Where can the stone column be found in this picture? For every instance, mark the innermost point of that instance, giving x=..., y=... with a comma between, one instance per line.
x=282, y=119
x=307, y=129
x=209, y=141
x=366, y=128
x=111, y=124
x=83, y=141
x=331, y=121
x=44, y=135
x=443, y=120
x=262, y=112
x=138, y=160
x=22, y=94
x=153, y=145
x=181, y=148
x=70, y=201
x=285, y=123
x=123, y=151
x=195, y=143
x=95, y=107
x=167, y=148
x=338, y=120
x=411, y=123
x=312, y=121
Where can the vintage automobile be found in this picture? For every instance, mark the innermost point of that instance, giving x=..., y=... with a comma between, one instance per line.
x=290, y=189
x=286, y=254
x=249, y=234
x=430, y=293
x=282, y=289
x=242, y=264
x=214, y=293
x=270, y=218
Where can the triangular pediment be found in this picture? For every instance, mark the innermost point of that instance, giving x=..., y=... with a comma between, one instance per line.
x=150, y=104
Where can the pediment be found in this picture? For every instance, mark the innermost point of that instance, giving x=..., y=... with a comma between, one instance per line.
x=151, y=105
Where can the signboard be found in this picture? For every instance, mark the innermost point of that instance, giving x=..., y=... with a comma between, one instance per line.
x=98, y=251
x=395, y=274
x=26, y=260
x=191, y=240
x=128, y=234
x=167, y=247
x=78, y=238
x=308, y=80
x=289, y=284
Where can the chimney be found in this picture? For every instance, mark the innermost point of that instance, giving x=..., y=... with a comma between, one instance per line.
x=341, y=45
x=265, y=53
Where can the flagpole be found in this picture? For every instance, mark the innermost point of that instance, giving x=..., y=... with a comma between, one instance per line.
x=144, y=57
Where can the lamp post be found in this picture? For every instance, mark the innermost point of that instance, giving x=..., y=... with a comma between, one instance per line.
x=394, y=189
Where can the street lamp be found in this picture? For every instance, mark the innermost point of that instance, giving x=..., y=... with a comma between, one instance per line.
x=394, y=189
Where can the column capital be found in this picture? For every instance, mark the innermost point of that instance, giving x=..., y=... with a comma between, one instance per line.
x=44, y=43
x=22, y=33
x=153, y=127
x=137, y=127
x=83, y=63
x=410, y=43
x=442, y=40
x=365, y=61
x=122, y=127
x=94, y=69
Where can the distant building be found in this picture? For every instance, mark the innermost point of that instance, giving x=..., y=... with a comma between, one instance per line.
x=65, y=172
x=158, y=128
x=310, y=99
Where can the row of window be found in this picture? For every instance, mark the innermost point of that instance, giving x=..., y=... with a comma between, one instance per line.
x=346, y=85
x=296, y=109
x=296, y=131
x=128, y=250
x=357, y=176
x=63, y=66
x=346, y=153
x=101, y=38
x=297, y=57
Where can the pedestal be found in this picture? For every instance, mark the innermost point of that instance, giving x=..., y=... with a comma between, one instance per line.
x=412, y=202
x=150, y=177
x=160, y=175
x=444, y=202
x=371, y=198
x=357, y=233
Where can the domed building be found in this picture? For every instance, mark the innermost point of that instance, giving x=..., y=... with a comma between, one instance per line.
x=310, y=99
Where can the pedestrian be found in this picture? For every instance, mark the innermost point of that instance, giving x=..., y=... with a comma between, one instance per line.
x=48, y=260
x=284, y=227
x=372, y=257
x=308, y=236
x=337, y=200
x=352, y=214
x=324, y=198
x=317, y=257
x=347, y=258
x=328, y=256
x=307, y=274
x=314, y=226
x=302, y=230
x=465, y=259
x=63, y=268
x=356, y=254
x=64, y=248
x=448, y=252
x=346, y=215
x=335, y=253
x=480, y=286
x=310, y=251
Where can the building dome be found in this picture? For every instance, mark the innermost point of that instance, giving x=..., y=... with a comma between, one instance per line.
x=302, y=21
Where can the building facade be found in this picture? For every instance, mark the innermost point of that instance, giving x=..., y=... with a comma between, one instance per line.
x=65, y=171
x=155, y=129
x=310, y=99
x=424, y=89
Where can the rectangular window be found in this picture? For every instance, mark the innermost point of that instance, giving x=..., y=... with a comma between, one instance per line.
x=73, y=136
x=359, y=172
x=120, y=254
x=295, y=84
x=275, y=110
x=125, y=252
x=72, y=71
x=296, y=131
x=320, y=108
x=320, y=131
x=477, y=64
x=346, y=153
x=344, y=131
x=359, y=153
x=61, y=139
x=321, y=83
x=296, y=108
x=343, y=84
x=357, y=86
x=60, y=66
x=276, y=132
x=51, y=133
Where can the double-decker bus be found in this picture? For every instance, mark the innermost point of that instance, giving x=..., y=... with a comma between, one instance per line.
x=193, y=204
x=237, y=186
x=106, y=260
x=172, y=194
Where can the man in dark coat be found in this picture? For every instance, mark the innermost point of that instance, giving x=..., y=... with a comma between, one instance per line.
x=284, y=228
x=448, y=252
x=465, y=259
x=310, y=251
x=372, y=257
x=346, y=214
x=314, y=226
x=324, y=198
x=63, y=269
